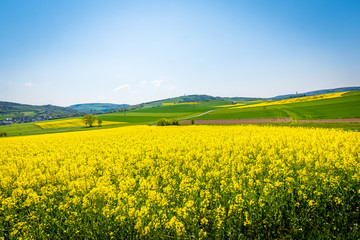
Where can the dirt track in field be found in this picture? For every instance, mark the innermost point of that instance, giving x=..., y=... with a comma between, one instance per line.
x=269, y=120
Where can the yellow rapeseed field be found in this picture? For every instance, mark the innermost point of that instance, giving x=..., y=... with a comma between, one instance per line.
x=295, y=100
x=231, y=105
x=181, y=182
x=70, y=123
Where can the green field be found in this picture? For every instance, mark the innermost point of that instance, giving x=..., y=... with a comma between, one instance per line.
x=23, y=129
x=347, y=106
x=148, y=115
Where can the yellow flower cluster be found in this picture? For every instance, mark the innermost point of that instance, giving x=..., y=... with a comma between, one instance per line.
x=295, y=100
x=184, y=103
x=181, y=182
x=70, y=123
x=232, y=105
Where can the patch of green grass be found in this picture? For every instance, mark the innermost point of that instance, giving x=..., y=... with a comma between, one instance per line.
x=151, y=115
x=23, y=129
x=129, y=118
x=28, y=114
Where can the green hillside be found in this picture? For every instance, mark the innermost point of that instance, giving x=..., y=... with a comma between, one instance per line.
x=318, y=92
x=96, y=108
x=10, y=109
x=347, y=106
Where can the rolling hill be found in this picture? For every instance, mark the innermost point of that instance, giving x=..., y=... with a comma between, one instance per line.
x=204, y=97
x=345, y=106
x=96, y=108
x=10, y=109
x=318, y=92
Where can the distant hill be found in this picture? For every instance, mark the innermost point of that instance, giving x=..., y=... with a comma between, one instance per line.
x=198, y=98
x=184, y=99
x=24, y=110
x=318, y=92
x=95, y=108
x=204, y=97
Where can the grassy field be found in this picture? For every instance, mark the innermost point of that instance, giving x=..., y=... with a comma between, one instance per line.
x=24, y=129
x=150, y=114
x=347, y=106
x=147, y=116
x=71, y=123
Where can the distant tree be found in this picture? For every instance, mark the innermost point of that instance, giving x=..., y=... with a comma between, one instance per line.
x=3, y=134
x=161, y=122
x=89, y=119
x=174, y=122
x=167, y=122
x=99, y=121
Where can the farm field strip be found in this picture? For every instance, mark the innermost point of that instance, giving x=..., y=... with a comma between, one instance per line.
x=198, y=115
x=346, y=106
x=70, y=123
x=181, y=182
x=240, y=121
x=295, y=100
x=232, y=105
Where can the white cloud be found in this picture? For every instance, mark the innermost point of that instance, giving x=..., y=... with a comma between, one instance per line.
x=28, y=84
x=144, y=82
x=157, y=83
x=122, y=87
x=172, y=87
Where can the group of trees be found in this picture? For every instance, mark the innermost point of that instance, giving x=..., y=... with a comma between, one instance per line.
x=167, y=122
x=3, y=134
x=91, y=119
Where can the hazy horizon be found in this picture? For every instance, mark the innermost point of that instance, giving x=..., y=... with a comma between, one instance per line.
x=173, y=97
x=129, y=52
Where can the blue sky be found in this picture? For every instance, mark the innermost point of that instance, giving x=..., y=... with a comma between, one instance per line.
x=72, y=51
